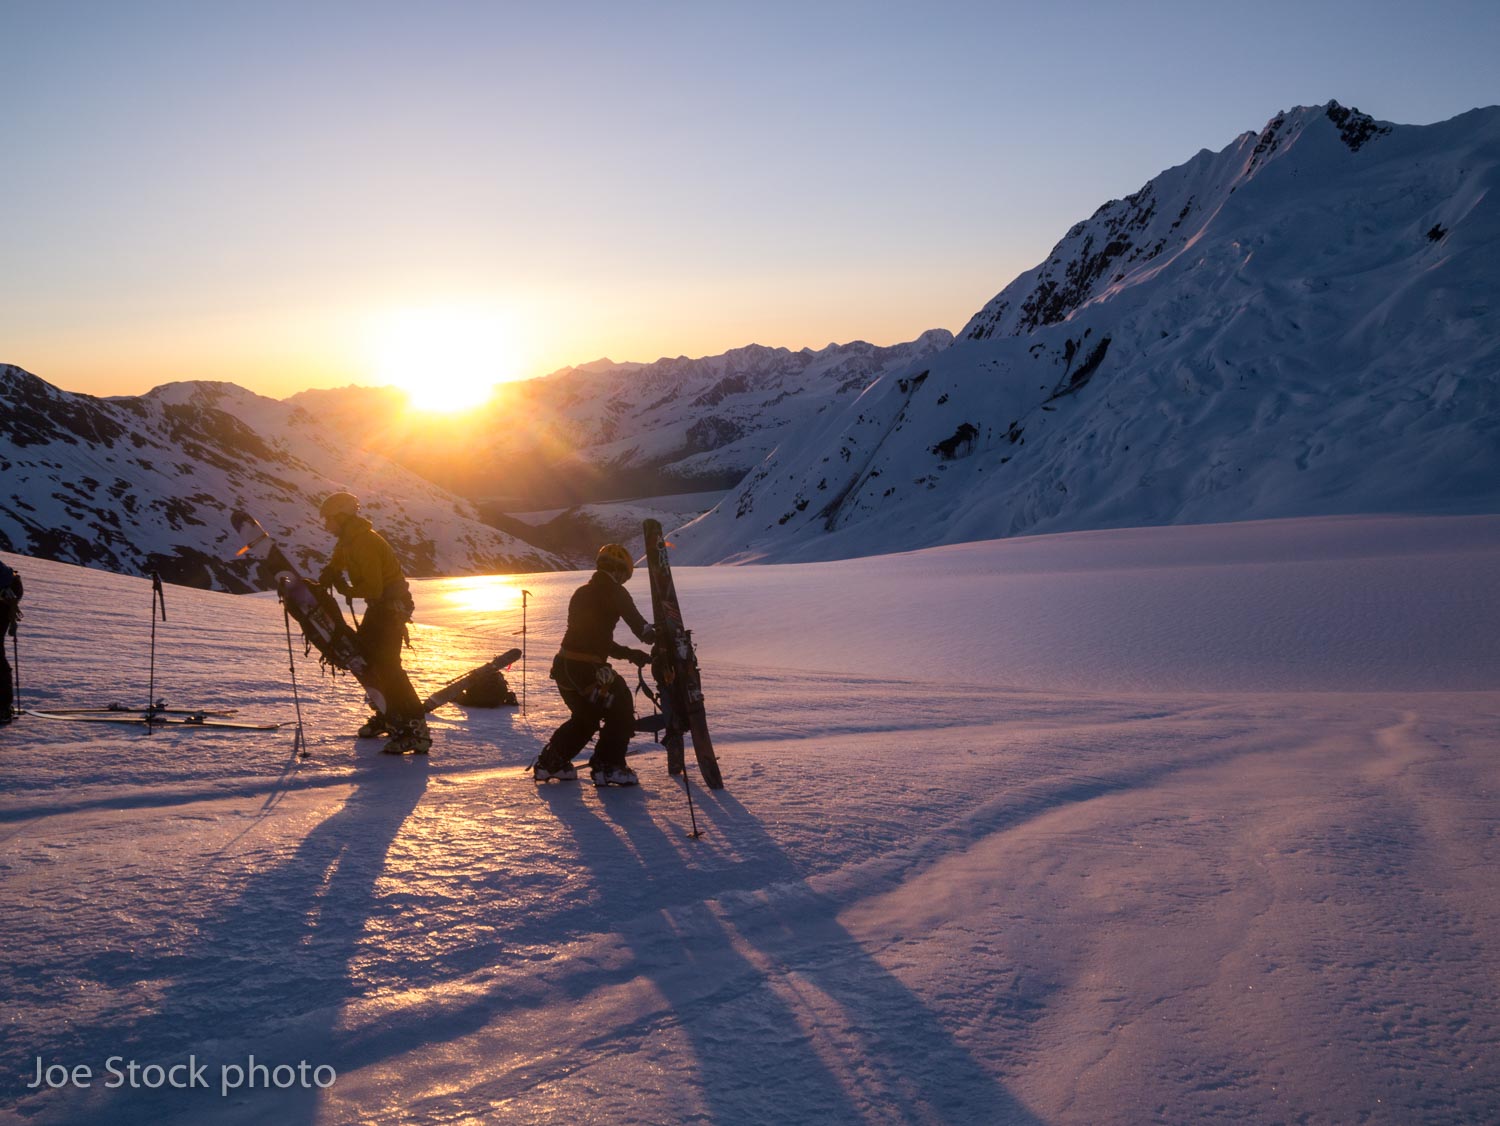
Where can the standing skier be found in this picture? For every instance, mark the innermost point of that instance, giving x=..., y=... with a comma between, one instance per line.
x=10, y=612
x=594, y=692
x=364, y=566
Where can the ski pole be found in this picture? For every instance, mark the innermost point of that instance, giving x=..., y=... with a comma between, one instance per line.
x=687, y=788
x=299, y=741
x=158, y=598
x=525, y=648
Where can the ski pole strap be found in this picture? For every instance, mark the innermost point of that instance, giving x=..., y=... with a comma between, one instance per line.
x=643, y=688
x=157, y=595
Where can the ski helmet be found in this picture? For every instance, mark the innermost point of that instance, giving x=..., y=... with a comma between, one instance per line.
x=615, y=561
x=339, y=504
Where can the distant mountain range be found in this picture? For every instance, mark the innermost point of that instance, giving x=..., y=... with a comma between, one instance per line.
x=147, y=483
x=1303, y=323
x=606, y=431
x=137, y=484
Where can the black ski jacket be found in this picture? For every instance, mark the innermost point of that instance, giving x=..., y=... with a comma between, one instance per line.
x=596, y=608
x=11, y=591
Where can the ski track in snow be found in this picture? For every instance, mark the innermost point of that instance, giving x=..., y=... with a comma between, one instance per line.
x=990, y=851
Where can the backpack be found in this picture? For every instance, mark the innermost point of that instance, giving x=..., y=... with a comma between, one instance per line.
x=488, y=689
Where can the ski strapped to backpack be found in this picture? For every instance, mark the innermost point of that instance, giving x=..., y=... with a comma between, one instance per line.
x=674, y=666
x=312, y=608
x=482, y=687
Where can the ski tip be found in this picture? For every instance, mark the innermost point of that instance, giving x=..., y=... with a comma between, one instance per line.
x=245, y=524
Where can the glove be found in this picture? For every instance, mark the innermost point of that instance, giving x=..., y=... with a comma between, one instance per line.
x=648, y=635
x=638, y=657
x=330, y=576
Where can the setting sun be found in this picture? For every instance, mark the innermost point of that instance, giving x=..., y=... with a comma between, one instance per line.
x=444, y=358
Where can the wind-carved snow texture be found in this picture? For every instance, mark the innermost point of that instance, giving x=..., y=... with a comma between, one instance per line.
x=1187, y=824
x=1302, y=323
x=142, y=484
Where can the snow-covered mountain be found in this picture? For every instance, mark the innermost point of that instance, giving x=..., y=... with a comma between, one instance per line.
x=610, y=431
x=147, y=483
x=1302, y=323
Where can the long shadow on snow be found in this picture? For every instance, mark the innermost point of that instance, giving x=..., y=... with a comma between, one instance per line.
x=271, y=970
x=765, y=1033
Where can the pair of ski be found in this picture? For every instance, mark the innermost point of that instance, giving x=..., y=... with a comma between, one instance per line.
x=318, y=615
x=153, y=716
x=674, y=667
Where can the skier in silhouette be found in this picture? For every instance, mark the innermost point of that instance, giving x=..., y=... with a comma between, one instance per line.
x=364, y=566
x=594, y=692
x=10, y=613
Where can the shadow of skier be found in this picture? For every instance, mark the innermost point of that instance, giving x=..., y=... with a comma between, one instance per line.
x=271, y=969
x=841, y=1038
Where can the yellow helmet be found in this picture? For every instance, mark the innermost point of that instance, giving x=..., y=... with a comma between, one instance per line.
x=615, y=562
x=339, y=504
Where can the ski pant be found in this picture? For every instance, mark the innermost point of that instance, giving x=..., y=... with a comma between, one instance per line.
x=592, y=703
x=380, y=637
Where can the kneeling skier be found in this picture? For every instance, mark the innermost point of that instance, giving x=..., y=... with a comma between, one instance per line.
x=594, y=692
x=374, y=574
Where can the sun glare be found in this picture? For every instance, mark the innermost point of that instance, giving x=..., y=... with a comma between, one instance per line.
x=445, y=359
x=479, y=594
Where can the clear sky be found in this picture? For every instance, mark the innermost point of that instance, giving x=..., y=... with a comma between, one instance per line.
x=309, y=194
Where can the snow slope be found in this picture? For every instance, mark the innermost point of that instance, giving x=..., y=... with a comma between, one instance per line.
x=1304, y=323
x=1176, y=824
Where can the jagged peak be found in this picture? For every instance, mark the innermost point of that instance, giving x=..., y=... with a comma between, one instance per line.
x=1355, y=129
x=1126, y=235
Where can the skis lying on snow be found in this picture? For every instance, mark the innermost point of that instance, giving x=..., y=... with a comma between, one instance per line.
x=154, y=719
x=312, y=608
x=674, y=666
x=130, y=709
x=455, y=688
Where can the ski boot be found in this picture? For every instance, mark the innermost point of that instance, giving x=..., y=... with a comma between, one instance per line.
x=374, y=726
x=549, y=767
x=614, y=776
x=409, y=739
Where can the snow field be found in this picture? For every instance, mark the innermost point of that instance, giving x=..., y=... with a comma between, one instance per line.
x=1182, y=824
